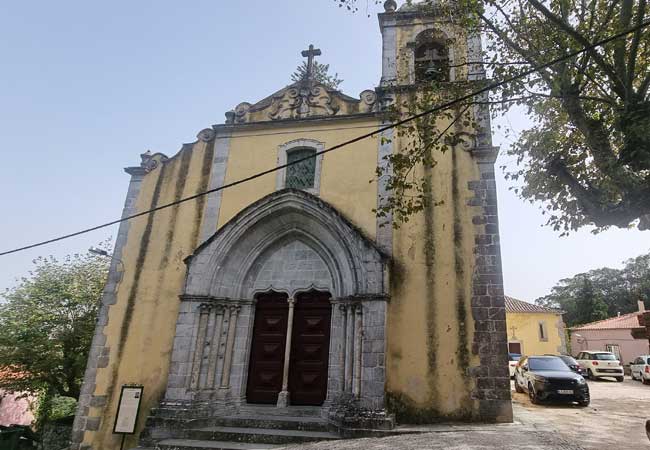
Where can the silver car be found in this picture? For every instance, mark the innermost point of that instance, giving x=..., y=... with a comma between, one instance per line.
x=640, y=369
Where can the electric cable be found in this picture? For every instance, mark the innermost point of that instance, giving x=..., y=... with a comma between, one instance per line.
x=378, y=131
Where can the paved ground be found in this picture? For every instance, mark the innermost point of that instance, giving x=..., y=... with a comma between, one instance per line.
x=615, y=418
x=514, y=437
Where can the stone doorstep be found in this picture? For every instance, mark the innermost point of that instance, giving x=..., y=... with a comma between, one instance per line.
x=272, y=410
x=267, y=422
x=192, y=444
x=258, y=435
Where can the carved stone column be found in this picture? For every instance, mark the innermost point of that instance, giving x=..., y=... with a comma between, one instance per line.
x=227, y=362
x=204, y=315
x=214, y=347
x=358, y=337
x=343, y=334
x=349, y=347
x=283, y=396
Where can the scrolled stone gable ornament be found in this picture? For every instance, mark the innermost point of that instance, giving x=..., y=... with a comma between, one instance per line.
x=206, y=135
x=303, y=101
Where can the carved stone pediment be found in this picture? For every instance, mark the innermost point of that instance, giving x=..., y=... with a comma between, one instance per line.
x=301, y=100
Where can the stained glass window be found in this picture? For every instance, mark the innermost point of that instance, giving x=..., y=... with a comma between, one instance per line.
x=301, y=175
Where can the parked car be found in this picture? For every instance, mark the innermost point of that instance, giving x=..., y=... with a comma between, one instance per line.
x=597, y=364
x=513, y=359
x=548, y=377
x=571, y=362
x=640, y=369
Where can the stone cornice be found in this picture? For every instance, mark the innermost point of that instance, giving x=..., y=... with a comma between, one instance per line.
x=361, y=298
x=293, y=122
x=216, y=300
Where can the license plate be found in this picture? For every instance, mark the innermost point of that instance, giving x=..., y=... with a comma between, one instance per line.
x=565, y=391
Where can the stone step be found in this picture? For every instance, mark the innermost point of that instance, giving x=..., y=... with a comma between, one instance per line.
x=257, y=435
x=272, y=410
x=265, y=422
x=194, y=444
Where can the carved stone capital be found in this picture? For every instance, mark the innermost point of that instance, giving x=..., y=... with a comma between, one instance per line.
x=485, y=154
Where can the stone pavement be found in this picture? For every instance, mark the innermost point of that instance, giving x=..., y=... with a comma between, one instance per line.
x=617, y=414
x=515, y=436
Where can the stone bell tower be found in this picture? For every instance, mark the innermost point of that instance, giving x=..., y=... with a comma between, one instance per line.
x=459, y=302
x=423, y=42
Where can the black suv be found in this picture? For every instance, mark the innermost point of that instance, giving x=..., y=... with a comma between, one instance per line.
x=548, y=377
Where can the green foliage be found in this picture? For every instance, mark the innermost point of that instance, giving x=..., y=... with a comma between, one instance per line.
x=602, y=293
x=62, y=407
x=321, y=74
x=408, y=172
x=47, y=323
x=586, y=160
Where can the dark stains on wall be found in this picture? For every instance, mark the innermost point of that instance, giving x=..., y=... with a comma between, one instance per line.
x=462, y=350
x=430, y=261
x=206, y=167
x=181, y=178
x=130, y=304
x=409, y=412
x=139, y=265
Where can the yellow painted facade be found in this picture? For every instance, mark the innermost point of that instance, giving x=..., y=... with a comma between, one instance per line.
x=433, y=353
x=524, y=329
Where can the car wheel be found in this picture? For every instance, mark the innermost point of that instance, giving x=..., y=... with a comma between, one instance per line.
x=645, y=381
x=518, y=388
x=583, y=402
x=534, y=399
x=620, y=379
x=590, y=375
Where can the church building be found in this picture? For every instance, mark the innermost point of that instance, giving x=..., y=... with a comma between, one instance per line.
x=285, y=295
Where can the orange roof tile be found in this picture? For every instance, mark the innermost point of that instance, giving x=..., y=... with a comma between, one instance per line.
x=519, y=306
x=625, y=321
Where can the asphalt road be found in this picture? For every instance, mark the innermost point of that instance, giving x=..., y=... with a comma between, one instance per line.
x=615, y=418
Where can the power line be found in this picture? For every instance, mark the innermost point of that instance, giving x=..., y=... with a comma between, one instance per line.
x=440, y=107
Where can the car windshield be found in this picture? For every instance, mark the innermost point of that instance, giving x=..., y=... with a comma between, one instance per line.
x=514, y=356
x=569, y=360
x=541, y=364
x=603, y=357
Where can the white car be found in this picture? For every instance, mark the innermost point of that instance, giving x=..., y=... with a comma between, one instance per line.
x=513, y=359
x=640, y=369
x=597, y=364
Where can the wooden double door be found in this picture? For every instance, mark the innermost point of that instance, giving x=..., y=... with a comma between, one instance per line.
x=308, y=361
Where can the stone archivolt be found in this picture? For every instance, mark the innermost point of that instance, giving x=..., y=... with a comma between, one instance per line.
x=306, y=98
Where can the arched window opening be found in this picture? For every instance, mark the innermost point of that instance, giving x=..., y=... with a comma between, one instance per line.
x=301, y=175
x=431, y=62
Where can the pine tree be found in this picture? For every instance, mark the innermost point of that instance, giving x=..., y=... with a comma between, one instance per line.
x=321, y=74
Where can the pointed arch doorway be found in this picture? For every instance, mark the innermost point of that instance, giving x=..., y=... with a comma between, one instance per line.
x=305, y=323
x=289, y=242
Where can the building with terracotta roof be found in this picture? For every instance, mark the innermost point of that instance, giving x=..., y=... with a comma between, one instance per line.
x=15, y=407
x=622, y=335
x=534, y=329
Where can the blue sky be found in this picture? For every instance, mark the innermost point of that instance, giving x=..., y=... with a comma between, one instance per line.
x=86, y=87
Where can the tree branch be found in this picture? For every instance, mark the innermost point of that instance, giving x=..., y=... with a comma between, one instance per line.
x=634, y=46
x=617, y=83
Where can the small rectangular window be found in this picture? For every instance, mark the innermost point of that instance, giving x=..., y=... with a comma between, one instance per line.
x=542, y=331
x=301, y=175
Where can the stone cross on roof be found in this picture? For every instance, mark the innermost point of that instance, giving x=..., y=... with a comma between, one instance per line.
x=310, y=53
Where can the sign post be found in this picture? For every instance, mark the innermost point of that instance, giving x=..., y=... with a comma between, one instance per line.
x=128, y=409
